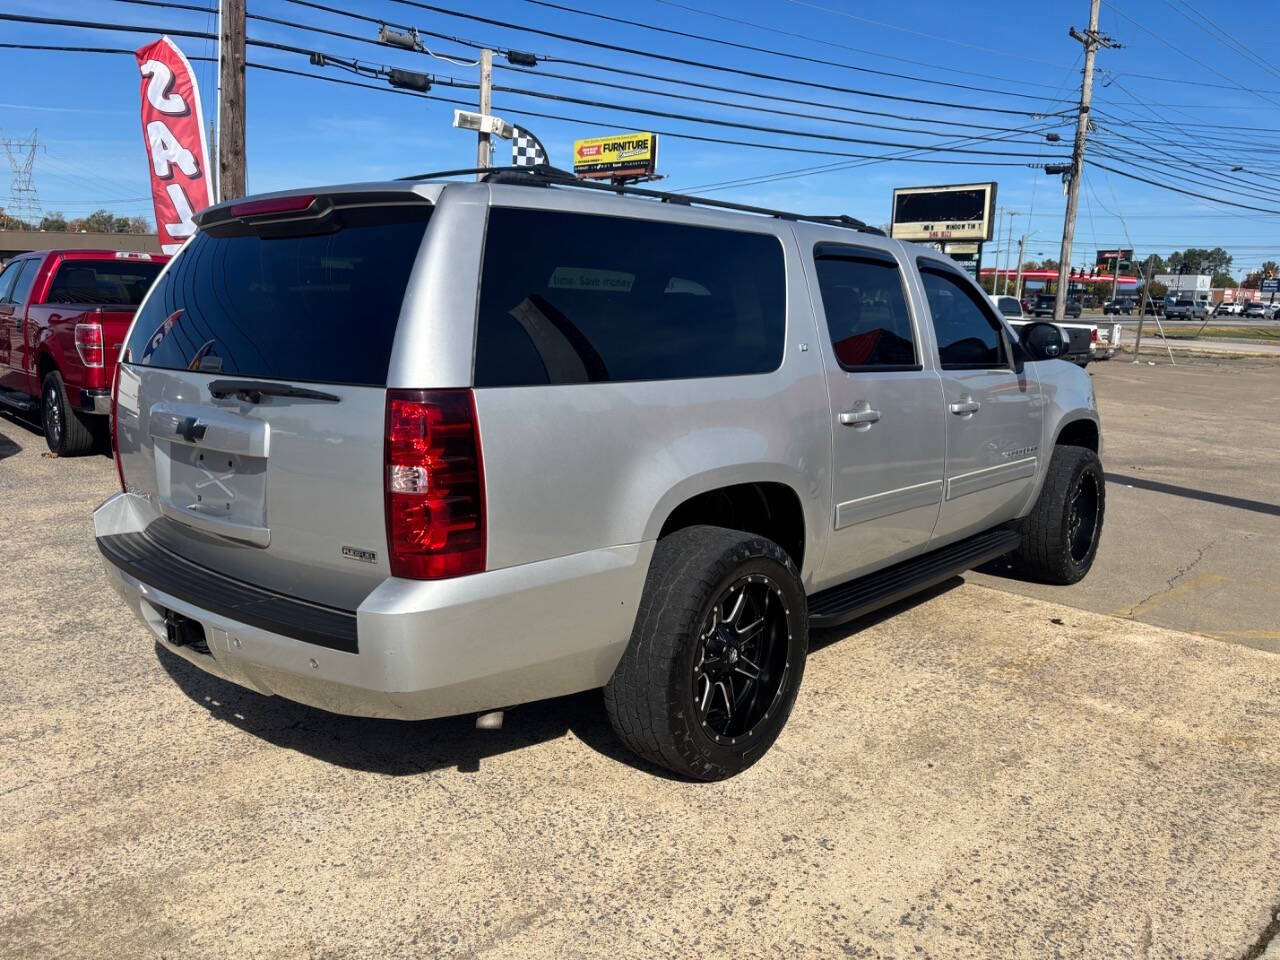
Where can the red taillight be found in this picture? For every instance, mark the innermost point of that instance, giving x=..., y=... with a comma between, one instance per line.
x=262, y=208
x=1093, y=334
x=89, y=343
x=115, y=426
x=434, y=484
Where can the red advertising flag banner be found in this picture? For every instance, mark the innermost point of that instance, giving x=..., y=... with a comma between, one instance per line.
x=173, y=131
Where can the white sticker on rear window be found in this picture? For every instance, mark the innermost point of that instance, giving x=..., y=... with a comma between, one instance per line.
x=587, y=278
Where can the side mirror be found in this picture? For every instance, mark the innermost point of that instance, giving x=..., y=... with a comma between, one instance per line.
x=1042, y=341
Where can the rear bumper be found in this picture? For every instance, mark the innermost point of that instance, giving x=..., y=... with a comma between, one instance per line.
x=423, y=648
x=95, y=401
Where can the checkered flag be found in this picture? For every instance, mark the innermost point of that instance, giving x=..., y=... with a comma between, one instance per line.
x=527, y=150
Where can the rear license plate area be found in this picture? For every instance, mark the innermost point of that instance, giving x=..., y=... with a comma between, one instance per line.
x=230, y=487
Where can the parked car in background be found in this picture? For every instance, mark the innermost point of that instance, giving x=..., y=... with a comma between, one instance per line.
x=1045, y=303
x=1153, y=307
x=541, y=463
x=1120, y=305
x=1273, y=311
x=1228, y=309
x=1082, y=338
x=63, y=316
x=1186, y=308
x=1255, y=310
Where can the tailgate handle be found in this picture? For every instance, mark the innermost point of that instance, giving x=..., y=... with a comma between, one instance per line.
x=254, y=390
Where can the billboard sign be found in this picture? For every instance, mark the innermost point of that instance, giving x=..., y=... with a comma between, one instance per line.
x=1185, y=282
x=173, y=132
x=1113, y=261
x=962, y=211
x=616, y=156
x=1271, y=285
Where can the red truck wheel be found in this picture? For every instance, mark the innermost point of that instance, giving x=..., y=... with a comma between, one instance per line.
x=65, y=429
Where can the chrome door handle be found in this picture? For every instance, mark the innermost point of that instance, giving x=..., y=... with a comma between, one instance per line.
x=854, y=417
x=965, y=407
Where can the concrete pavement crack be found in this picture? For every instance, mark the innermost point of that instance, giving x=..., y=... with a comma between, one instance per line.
x=1172, y=581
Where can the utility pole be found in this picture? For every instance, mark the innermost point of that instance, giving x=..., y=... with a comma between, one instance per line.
x=486, y=98
x=1008, y=247
x=231, y=101
x=995, y=274
x=1022, y=246
x=1092, y=40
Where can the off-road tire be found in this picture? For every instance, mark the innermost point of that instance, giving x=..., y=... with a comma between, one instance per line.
x=67, y=431
x=650, y=697
x=1046, y=553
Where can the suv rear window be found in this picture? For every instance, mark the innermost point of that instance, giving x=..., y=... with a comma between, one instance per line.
x=116, y=283
x=578, y=298
x=319, y=307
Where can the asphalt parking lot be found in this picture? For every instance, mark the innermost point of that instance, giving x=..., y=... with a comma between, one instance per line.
x=997, y=769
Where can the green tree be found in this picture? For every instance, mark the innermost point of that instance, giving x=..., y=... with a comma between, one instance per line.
x=1270, y=269
x=139, y=225
x=1200, y=260
x=54, y=221
x=100, y=221
x=1222, y=280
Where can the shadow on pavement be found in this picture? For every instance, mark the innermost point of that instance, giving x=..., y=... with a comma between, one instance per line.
x=1240, y=503
x=406, y=748
x=398, y=747
x=8, y=447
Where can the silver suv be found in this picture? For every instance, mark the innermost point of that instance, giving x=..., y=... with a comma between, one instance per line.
x=415, y=449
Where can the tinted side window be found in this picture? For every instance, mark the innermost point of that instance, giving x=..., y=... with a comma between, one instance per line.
x=968, y=335
x=7, y=276
x=26, y=280
x=577, y=298
x=866, y=308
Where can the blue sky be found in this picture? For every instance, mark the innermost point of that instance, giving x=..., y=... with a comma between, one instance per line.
x=1183, y=90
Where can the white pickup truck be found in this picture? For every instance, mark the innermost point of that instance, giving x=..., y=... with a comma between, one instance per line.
x=1086, y=342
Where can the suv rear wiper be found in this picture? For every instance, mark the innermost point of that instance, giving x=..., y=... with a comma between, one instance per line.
x=254, y=390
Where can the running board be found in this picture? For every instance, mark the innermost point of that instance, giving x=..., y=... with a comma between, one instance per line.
x=18, y=401
x=848, y=601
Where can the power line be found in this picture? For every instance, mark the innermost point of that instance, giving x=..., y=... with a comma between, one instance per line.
x=383, y=71
x=1224, y=38
x=799, y=58
x=927, y=36
x=842, y=46
x=683, y=61
x=1194, y=59
x=622, y=71
x=672, y=134
x=1166, y=186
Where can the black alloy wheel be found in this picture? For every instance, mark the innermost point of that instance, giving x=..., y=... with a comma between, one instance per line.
x=54, y=424
x=741, y=664
x=1082, y=517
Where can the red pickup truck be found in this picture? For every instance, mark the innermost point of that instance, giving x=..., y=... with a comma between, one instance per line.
x=63, y=317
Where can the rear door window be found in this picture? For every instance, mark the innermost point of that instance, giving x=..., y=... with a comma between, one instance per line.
x=116, y=283
x=319, y=306
x=25, y=281
x=7, y=276
x=578, y=298
x=866, y=308
x=968, y=332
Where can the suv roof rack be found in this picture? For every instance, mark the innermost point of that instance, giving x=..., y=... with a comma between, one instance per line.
x=545, y=175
